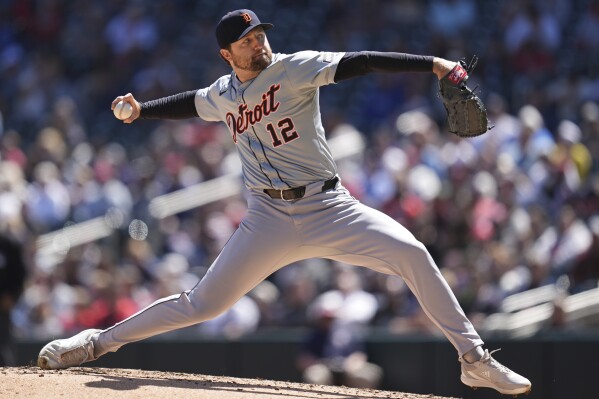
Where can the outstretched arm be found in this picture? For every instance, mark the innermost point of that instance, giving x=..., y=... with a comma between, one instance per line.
x=364, y=62
x=442, y=67
x=178, y=106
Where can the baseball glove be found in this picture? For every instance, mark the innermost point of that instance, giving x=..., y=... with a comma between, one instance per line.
x=466, y=113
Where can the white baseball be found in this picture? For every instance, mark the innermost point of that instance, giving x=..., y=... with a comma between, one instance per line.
x=138, y=230
x=123, y=110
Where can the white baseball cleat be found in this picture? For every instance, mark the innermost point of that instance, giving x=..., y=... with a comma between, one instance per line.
x=489, y=373
x=68, y=352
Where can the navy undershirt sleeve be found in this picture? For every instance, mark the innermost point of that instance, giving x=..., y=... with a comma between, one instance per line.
x=363, y=62
x=178, y=106
x=182, y=105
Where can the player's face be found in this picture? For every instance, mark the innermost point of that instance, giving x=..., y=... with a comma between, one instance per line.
x=252, y=52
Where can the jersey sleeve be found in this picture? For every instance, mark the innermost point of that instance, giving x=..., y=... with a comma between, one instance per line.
x=311, y=69
x=206, y=102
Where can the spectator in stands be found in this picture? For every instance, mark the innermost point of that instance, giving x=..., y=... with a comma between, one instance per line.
x=12, y=279
x=587, y=30
x=48, y=203
x=333, y=352
x=531, y=38
x=134, y=24
x=585, y=270
x=57, y=75
x=452, y=18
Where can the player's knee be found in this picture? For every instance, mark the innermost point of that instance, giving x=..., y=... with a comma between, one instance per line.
x=206, y=312
x=415, y=250
x=209, y=313
x=413, y=254
x=206, y=308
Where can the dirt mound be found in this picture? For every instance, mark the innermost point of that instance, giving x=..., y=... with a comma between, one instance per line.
x=102, y=383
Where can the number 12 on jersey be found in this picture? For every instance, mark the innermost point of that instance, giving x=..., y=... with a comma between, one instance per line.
x=287, y=132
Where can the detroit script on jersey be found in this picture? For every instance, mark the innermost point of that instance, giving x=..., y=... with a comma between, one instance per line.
x=249, y=116
x=274, y=119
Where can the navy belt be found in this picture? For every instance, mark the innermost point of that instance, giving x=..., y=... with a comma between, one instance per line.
x=299, y=192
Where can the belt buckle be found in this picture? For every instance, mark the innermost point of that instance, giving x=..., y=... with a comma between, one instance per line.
x=283, y=198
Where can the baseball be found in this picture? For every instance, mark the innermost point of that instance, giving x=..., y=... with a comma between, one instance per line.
x=123, y=110
x=138, y=230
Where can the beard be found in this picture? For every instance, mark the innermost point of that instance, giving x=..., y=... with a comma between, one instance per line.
x=255, y=64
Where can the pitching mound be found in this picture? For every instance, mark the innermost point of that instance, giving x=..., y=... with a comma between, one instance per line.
x=102, y=383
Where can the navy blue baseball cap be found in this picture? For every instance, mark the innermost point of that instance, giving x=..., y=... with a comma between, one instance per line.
x=236, y=24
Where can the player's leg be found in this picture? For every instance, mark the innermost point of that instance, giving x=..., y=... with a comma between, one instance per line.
x=264, y=242
x=351, y=232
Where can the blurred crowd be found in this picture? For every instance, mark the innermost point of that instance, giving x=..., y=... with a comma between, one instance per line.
x=514, y=209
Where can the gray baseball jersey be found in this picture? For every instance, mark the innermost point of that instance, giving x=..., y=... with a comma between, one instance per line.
x=275, y=121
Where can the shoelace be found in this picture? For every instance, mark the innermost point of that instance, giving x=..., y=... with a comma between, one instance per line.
x=494, y=363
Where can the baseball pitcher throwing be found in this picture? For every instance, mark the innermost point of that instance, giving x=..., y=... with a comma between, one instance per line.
x=297, y=207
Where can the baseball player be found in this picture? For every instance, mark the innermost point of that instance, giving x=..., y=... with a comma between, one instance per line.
x=297, y=205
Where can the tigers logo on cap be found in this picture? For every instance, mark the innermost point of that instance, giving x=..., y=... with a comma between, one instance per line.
x=235, y=24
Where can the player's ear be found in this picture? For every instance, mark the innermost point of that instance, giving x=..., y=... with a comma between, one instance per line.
x=225, y=55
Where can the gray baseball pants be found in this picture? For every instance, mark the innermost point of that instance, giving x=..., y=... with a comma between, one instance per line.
x=275, y=233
